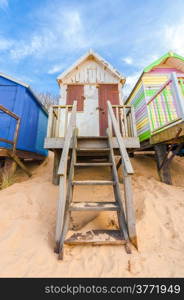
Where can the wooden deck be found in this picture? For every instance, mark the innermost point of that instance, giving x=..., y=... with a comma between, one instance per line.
x=92, y=142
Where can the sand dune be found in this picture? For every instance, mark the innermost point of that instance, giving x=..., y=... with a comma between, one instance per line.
x=27, y=211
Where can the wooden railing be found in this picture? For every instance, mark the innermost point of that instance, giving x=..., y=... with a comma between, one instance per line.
x=114, y=126
x=16, y=132
x=167, y=105
x=58, y=120
x=62, y=172
x=125, y=117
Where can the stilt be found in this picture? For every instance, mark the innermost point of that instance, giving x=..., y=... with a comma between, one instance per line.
x=55, y=177
x=163, y=169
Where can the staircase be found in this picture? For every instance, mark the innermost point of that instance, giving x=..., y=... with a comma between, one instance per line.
x=66, y=205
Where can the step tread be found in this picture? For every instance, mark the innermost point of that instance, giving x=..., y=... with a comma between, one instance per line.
x=94, y=206
x=96, y=237
x=93, y=149
x=93, y=182
x=96, y=164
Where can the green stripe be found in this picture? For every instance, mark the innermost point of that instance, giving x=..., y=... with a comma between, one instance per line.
x=167, y=104
x=144, y=136
x=158, y=110
x=182, y=85
x=151, y=116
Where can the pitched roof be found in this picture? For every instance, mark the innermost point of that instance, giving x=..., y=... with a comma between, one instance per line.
x=98, y=58
x=170, y=58
x=26, y=86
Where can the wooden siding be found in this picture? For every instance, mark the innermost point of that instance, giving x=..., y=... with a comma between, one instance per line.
x=90, y=72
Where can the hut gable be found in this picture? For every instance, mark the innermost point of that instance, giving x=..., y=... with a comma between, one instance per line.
x=90, y=68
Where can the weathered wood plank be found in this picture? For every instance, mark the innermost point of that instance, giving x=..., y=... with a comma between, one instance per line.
x=93, y=182
x=96, y=237
x=94, y=206
x=55, y=176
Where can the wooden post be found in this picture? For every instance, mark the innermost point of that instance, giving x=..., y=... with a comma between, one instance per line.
x=55, y=176
x=164, y=172
x=49, y=127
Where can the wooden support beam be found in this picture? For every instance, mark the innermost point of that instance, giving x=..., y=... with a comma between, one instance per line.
x=19, y=163
x=55, y=176
x=163, y=170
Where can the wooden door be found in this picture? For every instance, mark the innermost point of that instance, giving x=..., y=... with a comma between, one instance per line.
x=106, y=92
x=76, y=92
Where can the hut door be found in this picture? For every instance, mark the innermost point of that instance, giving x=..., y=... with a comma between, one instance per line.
x=106, y=92
x=75, y=92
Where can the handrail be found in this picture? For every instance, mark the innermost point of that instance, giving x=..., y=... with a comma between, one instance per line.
x=62, y=171
x=17, y=118
x=67, y=140
x=159, y=91
x=124, y=155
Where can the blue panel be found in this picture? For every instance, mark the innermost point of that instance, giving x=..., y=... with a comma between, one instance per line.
x=7, y=125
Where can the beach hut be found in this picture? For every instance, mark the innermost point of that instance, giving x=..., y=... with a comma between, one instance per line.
x=23, y=120
x=88, y=128
x=158, y=100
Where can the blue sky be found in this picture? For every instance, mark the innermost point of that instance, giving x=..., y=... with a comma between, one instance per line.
x=41, y=38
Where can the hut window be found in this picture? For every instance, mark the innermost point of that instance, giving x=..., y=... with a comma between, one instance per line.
x=76, y=92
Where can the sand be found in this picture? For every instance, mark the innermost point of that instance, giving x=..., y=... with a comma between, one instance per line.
x=27, y=223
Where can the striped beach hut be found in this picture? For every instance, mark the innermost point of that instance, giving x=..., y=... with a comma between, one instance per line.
x=158, y=100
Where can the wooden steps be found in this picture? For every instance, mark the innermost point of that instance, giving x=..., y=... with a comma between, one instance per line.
x=93, y=182
x=97, y=238
x=96, y=164
x=94, y=206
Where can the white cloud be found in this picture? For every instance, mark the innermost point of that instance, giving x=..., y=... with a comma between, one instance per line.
x=128, y=60
x=5, y=44
x=174, y=37
x=3, y=4
x=56, y=69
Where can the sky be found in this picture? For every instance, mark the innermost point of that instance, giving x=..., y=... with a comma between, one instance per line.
x=39, y=39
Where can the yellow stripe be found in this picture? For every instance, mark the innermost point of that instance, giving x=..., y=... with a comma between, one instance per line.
x=142, y=123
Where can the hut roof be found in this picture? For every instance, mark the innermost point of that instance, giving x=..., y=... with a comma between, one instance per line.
x=99, y=59
x=26, y=86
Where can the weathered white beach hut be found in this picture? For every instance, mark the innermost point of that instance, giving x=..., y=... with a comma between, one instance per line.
x=91, y=81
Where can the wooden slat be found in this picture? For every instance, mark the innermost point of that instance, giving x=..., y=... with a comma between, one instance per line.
x=124, y=154
x=93, y=182
x=6, y=141
x=93, y=164
x=97, y=237
x=94, y=206
x=93, y=149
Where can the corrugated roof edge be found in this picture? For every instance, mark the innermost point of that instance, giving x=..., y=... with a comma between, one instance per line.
x=29, y=89
x=151, y=66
